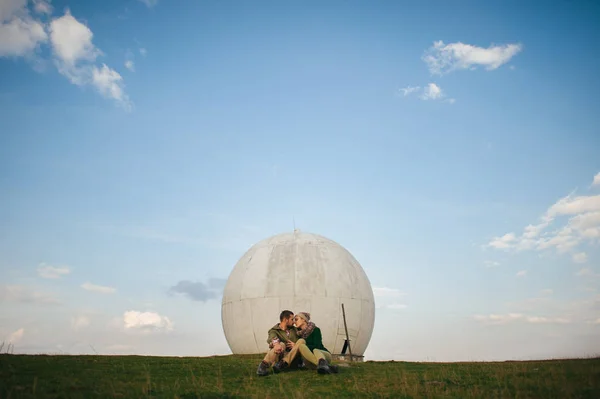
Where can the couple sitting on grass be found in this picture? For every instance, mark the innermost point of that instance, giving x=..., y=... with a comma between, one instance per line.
x=296, y=335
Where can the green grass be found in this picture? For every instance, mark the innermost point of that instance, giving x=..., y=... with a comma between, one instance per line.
x=235, y=377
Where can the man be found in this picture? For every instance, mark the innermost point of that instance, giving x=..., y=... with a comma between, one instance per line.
x=281, y=338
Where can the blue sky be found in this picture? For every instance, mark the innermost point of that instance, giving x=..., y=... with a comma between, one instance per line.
x=145, y=143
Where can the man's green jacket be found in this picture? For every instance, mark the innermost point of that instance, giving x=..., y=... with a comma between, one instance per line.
x=276, y=331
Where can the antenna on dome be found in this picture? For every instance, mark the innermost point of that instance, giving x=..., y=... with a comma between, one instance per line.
x=294, y=223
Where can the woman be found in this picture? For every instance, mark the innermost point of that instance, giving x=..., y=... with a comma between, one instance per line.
x=310, y=344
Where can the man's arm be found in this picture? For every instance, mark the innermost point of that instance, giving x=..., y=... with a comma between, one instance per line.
x=272, y=334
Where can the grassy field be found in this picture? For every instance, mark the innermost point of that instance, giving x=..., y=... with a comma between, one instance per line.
x=235, y=377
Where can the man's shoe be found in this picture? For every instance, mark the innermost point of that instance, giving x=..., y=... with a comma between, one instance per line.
x=263, y=369
x=323, y=367
x=334, y=369
x=301, y=365
x=280, y=366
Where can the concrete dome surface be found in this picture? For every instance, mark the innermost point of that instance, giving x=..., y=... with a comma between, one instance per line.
x=300, y=272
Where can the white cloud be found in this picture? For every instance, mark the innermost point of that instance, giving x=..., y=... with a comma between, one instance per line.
x=444, y=58
x=146, y=321
x=388, y=297
x=506, y=241
x=397, y=306
x=546, y=309
x=20, y=34
x=143, y=51
x=387, y=292
x=409, y=90
x=74, y=57
x=496, y=319
x=8, y=8
x=580, y=257
x=72, y=41
x=522, y=273
x=596, y=181
x=547, y=320
x=489, y=263
x=80, y=322
x=595, y=322
x=15, y=336
x=98, y=288
x=149, y=3
x=432, y=92
x=48, y=271
x=130, y=65
x=110, y=84
x=42, y=7
x=582, y=226
x=585, y=272
x=547, y=291
x=20, y=294
x=575, y=205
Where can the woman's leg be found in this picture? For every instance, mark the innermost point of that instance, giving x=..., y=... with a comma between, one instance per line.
x=319, y=354
x=324, y=362
x=307, y=355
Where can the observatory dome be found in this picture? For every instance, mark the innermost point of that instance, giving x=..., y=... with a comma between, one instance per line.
x=300, y=272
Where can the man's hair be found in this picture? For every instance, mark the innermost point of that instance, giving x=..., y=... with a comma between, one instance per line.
x=285, y=314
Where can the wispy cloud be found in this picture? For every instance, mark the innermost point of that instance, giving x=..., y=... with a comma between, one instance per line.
x=410, y=89
x=387, y=298
x=52, y=272
x=98, y=288
x=596, y=180
x=580, y=257
x=497, y=319
x=42, y=7
x=587, y=272
x=149, y=3
x=521, y=273
x=385, y=292
x=23, y=34
x=443, y=58
x=582, y=226
x=504, y=242
x=430, y=91
x=75, y=54
x=397, y=306
x=21, y=294
x=490, y=263
x=547, y=308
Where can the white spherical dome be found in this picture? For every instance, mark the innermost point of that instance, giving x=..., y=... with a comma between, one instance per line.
x=300, y=272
